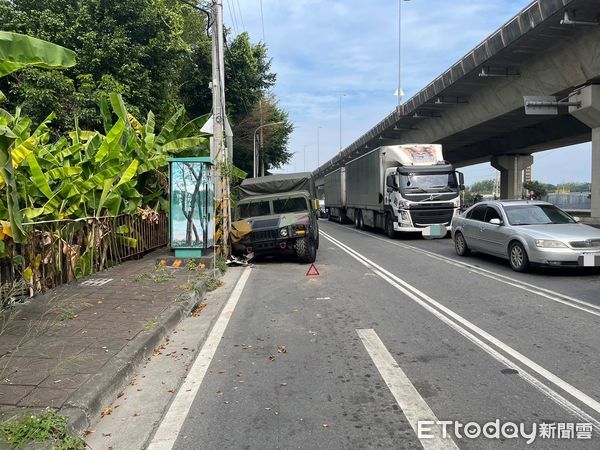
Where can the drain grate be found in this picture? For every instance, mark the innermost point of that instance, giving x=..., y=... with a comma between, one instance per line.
x=96, y=282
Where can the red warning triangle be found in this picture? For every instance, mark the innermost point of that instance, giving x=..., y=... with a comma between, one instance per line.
x=312, y=271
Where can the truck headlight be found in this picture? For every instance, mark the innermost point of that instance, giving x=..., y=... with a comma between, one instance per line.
x=404, y=204
x=545, y=243
x=283, y=232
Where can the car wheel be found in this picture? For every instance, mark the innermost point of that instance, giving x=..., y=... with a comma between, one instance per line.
x=517, y=256
x=460, y=245
x=389, y=226
x=306, y=250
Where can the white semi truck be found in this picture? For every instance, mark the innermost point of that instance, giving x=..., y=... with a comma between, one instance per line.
x=397, y=188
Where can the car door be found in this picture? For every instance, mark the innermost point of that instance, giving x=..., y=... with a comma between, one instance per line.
x=471, y=227
x=492, y=236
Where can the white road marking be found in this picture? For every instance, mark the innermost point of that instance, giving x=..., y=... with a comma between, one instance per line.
x=455, y=321
x=408, y=398
x=169, y=428
x=538, y=290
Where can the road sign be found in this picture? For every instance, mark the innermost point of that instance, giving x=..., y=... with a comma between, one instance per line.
x=312, y=271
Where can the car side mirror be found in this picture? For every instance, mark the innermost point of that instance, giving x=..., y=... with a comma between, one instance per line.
x=495, y=221
x=577, y=219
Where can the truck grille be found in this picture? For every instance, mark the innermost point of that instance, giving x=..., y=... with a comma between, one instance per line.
x=590, y=243
x=431, y=216
x=264, y=235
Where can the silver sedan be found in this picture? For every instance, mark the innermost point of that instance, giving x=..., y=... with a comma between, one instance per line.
x=525, y=233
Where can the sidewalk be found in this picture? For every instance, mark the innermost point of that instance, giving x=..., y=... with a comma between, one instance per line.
x=76, y=346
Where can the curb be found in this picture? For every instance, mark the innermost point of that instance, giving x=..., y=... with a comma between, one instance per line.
x=86, y=403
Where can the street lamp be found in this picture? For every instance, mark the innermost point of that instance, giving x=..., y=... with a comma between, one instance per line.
x=254, y=166
x=318, y=128
x=341, y=95
x=399, y=92
x=305, y=157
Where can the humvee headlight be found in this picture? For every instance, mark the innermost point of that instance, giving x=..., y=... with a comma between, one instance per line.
x=300, y=229
x=283, y=232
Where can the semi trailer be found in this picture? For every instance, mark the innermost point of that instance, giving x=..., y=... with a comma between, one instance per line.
x=396, y=188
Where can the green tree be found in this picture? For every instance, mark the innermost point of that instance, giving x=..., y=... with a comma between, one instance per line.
x=483, y=187
x=536, y=190
x=132, y=47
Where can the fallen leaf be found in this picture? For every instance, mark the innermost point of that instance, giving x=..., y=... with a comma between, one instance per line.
x=226, y=402
x=172, y=391
x=106, y=412
x=325, y=425
x=106, y=434
x=281, y=349
x=283, y=384
x=272, y=357
x=268, y=409
x=136, y=414
x=88, y=432
x=245, y=346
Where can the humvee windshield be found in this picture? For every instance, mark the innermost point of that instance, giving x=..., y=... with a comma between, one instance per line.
x=254, y=209
x=290, y=205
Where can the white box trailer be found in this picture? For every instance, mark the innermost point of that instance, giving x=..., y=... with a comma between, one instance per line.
x=335, y=194
x=402, y=188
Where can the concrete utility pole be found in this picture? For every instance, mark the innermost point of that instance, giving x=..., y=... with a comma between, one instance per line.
x=218, y=152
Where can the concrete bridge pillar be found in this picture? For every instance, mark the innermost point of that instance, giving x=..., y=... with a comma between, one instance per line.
x=589, y=113
x=511, y=169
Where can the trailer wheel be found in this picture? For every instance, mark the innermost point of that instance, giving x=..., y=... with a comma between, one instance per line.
x=360, y=223
x=306, y=250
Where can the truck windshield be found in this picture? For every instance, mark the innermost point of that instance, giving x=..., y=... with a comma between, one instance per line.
x=253, y=209
x=289, y=205
x=424, y=182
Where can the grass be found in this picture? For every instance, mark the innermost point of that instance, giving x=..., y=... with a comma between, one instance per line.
x=159, y=275
x=212, y=283
x=221, y=263
x=67, y=315
x=151, y=324
x=12, y=292
x=48, y=427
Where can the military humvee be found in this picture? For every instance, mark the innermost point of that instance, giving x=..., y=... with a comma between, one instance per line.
x=283, y=213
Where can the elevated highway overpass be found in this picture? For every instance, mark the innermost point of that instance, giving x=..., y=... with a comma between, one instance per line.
x=475, y=109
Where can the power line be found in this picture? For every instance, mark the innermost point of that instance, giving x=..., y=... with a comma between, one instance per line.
x=233, y=17
x=240, y=13
x=262, y=20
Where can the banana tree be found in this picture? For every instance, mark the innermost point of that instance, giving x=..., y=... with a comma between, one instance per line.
x=16, y=52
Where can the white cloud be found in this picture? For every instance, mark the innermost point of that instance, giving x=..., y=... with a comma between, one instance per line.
x=322, y=48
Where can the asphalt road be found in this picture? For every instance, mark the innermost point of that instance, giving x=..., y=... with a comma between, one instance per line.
x=393, y=332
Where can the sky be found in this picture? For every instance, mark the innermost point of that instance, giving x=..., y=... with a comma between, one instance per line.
x=324, y=51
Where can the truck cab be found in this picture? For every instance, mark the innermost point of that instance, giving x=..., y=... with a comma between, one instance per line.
x=420, y=196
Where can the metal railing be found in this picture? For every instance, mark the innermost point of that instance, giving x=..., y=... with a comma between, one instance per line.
x=60, y=251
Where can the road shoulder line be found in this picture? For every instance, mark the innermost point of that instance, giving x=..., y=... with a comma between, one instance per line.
x=171, y=424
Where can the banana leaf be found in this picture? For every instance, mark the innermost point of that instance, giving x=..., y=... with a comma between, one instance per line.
x=18, y=51
x=37, y=176
x=189, y=143
x=111, y=141
x=166, y=133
